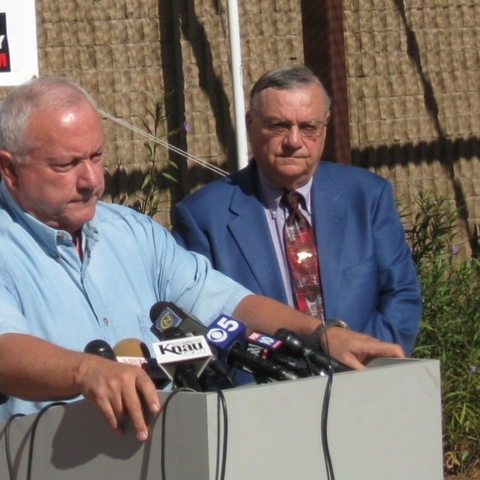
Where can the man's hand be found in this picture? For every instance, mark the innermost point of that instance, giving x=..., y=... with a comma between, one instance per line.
x=355, y=349
x=349, y=347
x=120, y=391
x=33, y=369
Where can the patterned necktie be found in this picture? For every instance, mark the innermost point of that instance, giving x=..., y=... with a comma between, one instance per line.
x=302, y=258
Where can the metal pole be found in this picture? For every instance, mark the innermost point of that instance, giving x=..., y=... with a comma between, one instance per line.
x=237, y=81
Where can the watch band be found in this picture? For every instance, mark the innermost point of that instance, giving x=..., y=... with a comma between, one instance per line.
x=322, y=328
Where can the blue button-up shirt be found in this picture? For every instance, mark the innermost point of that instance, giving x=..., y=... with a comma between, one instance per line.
x=130, y=262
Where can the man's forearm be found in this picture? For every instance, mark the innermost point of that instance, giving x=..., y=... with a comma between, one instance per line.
x=268, y=315
x=347, y=346
x=33, y=369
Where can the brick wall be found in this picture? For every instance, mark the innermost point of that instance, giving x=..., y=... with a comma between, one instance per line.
x=413, y=70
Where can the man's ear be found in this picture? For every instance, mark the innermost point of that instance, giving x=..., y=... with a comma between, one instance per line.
x=8, y=169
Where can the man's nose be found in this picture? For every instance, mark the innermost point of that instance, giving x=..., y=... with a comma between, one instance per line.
x=293, y=138
x=89, y=175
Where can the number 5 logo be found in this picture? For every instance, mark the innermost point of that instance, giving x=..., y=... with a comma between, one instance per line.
x=228, y=324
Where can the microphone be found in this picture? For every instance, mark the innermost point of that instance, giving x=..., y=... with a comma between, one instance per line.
x=100, y=348
x=267, y=346
x=294, y=344
x=183, y=358
x=209, y=378
x=131, y=348
x=135, y=352
x=166, y=315
x=228, y=336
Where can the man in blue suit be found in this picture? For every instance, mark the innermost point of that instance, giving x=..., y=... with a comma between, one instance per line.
x=368, y=279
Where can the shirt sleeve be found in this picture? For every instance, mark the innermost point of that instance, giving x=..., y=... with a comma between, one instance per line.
x=187, y=279
x=11, y=317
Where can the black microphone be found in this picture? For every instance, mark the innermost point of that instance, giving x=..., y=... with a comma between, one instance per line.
x=294, y=344
x=185, y=373
x=100, y=348
x=228, y=336
x=183, y=357
x=267, y=346
x=166, y=315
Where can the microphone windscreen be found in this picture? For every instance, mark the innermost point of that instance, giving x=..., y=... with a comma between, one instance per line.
x=157, y=309
x=100, y=348
x=131, y=347
x=132, y=351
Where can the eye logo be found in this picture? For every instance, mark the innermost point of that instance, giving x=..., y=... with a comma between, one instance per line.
x=217, y=335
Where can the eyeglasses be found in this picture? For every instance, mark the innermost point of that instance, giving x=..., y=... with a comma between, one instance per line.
x=280, y=127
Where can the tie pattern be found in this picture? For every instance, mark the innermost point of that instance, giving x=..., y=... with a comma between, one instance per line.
x=301, y=251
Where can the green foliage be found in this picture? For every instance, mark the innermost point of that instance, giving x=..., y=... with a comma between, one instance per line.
x=152, y=193
x=450, y=327
x=433, y=228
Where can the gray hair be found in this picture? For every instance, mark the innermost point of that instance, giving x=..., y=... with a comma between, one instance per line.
x=29, y=98
x=287, y=78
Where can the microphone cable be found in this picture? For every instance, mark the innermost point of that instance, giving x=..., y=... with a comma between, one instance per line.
x=324, y=418
x=308, y=362
x=33, y=433
x=7, y=443
x=164, y=426
x=32, y=438
x=221, y=459
x=221, y=464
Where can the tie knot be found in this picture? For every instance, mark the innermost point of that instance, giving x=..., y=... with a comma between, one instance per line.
x=292, y=199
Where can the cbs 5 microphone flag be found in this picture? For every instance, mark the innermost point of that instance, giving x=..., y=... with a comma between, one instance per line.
x=18, y=42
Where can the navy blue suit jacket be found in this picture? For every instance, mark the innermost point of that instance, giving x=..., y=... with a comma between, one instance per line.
x=368, y=277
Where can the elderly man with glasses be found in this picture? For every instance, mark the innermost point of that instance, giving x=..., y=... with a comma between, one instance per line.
x=322, y=237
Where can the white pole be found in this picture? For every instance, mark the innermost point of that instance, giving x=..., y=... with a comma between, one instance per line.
x=237, y=81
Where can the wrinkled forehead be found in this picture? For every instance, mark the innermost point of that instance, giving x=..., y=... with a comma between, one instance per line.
x=64, y=127
x=293, y=103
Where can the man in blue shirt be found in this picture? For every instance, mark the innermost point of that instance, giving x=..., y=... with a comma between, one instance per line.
x=74, y=269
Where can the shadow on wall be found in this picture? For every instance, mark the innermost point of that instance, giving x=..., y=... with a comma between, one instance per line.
x=121, y=183
x=178, y=21
x=448, y=152
x=444, y=150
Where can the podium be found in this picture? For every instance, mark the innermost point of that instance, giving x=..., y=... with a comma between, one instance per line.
x=383, y=423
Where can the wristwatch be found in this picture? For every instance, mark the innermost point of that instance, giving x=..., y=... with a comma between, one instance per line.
x=322, y=328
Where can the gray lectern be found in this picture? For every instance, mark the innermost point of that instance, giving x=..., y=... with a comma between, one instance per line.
x=384, y=423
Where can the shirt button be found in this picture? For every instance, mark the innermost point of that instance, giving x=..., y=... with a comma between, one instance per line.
x=105, y=321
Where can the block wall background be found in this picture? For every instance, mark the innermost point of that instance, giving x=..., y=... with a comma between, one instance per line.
x=413, y=81
x=413, y=71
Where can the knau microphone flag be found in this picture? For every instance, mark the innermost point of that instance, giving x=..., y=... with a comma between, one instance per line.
x=18, y=42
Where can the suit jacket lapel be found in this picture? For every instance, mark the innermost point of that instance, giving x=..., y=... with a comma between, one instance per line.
x=330, y=220
x=251, y=234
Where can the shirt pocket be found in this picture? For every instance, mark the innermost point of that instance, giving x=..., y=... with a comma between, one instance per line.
x=144, y=323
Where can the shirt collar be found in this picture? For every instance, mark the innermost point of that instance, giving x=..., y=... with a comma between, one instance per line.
x=49, y=238
x=272, y=195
